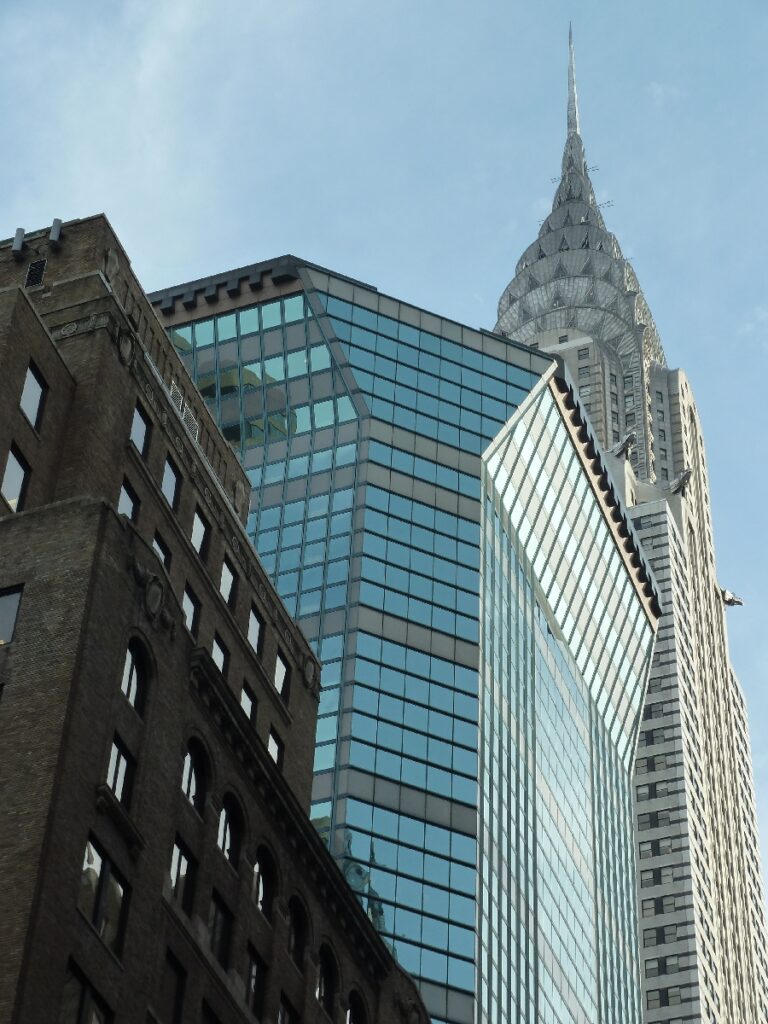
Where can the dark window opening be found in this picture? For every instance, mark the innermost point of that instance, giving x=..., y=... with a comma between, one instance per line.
x=33, y=396
x=9, y=610
x=35, y=273
x=15, y=479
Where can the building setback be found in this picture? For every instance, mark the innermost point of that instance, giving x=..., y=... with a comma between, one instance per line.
x=361, y=421
x=157, y=702
x=699, y=883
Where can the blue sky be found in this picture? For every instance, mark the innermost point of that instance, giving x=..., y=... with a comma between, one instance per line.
x=411, y=144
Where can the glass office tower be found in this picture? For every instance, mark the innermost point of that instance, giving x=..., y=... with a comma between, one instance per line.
x=569, y=613
x=361, y=421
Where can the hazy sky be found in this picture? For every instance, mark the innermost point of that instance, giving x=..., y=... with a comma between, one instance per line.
x=411, y=144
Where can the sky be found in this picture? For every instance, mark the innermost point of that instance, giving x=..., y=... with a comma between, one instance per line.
x=411, y=144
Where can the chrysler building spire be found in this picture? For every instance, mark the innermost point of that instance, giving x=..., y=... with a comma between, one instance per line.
x=573, y=99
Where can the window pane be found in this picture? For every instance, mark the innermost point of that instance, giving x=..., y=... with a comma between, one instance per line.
x=15, y=479
x=199, y=532
x=191, y=608
x=9, y=608
x=275, y=748
x=226, y=586
x=32, y=396
x=140, y=431
x=220, y=654
x=170, y=484
x=254, y=629
x=281, y=675
x=162, y=550
x=128, y=502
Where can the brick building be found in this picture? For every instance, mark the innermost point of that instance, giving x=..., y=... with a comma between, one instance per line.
x=157, y=702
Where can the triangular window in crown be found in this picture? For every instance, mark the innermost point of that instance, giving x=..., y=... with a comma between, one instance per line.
x=607, y=274
x=533, y=282
x=600, y=247
x=557, y=301
x=590, y=296
x=564, y=247
x=560, y=271
x=585, y=243
x=572, y=319
x=587, y=269
x=567, y=222
x=540, y=255
x=524, y=312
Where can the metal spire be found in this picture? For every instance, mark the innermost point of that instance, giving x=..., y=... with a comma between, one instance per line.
x=573, y=100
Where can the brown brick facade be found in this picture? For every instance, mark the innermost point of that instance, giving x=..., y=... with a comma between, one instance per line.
x=94, y=583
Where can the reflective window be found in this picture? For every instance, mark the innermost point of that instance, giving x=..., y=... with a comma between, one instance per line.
x=162, y=550
x=248, y=702
x=9, y=610
x=183, y=875
x=171, y=484
x=220, y=654
x=327, y=974
x=103, y=896
x=255, y=628
x=256, y=982
x=15, y=479
x=140, y=429
x=80, y=1003
x=33, y=396
x=128, y=503
x=134, y=681
x=230, y=834
x=275, y=748
x=228, y=584
x=191, y=609
x=220, y=920
x=264, y=882
x=121, y=771
x=193, y=778
x=200, y=533
x=281, y=676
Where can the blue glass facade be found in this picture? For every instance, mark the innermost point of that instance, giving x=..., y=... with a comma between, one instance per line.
x=567, y=638
x=361, y=421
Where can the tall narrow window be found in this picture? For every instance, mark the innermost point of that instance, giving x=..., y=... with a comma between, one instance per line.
x=356, y=1013
x=183, y=872
x=327, y=973
x=200, y=533
x=33, y=396
x=255, y=629
x=248, y=702
x=162, y=551
x=220, y=654
x=134, y=681
x=286, y=1013
x=80, y=1002
x=171, y=484
x=15, y=479
x=264, y=882
x=9, y=610
x=191, y=608
x=297, y=932
x=256, y=983
x=230, y=833
x=128, y=503
x=120, y=772
x=275, y=748
x=281, y=676
x=172, y=988
x=228, y=585
x=193, y=777
x=103, y=896
x=140, y=428
x=220, y=929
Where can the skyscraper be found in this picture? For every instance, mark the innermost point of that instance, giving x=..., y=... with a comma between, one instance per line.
x=361, y=421
x=700, y=891
x=569, y=615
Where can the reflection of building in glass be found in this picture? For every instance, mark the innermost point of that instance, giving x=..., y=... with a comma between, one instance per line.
x=360, y=421
x=699, y=885
x=366, y=511
x=569, y=616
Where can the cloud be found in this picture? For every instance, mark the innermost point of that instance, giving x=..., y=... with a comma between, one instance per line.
x=663, y=93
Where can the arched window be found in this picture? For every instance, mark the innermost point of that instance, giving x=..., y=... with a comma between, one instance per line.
x=297, y=932
x=193, y=778
x=356, y=1013
x=264, y=882
x=327, y=975
x=134, y=682
x=230, y=835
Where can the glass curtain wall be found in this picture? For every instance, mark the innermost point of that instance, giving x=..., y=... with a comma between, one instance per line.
x=566, y=646
x=360, y=421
